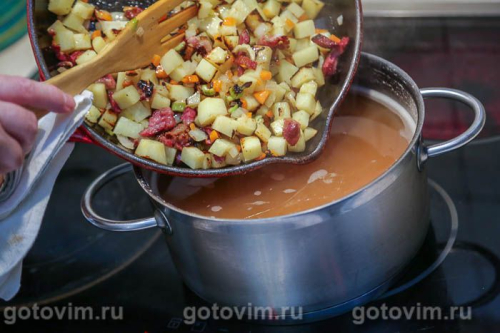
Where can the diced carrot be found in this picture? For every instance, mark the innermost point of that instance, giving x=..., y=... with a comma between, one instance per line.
x=217, y=85
x=238, y=146
x=262, y=96
x=214, y=135
x=103, y=15
x=261, y=157
x=244, y=103
x=269, y=114
x=290, y=23
x=304, y=17
x=127, y=83
x=191, y=79
x=156, y=60
x=96, y=33
x=229, y=74
x=266, y=75
x=86, y=1
x=321, y=31
x=192, y=126
x=160, y=72
x=249, y=114
x=173, y=82
x=229, y=21
x=335, y=38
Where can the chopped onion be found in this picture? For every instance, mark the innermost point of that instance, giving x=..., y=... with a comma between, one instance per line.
x=246, y=49
x=198, y=135
x=340, y=19
x=261, y=30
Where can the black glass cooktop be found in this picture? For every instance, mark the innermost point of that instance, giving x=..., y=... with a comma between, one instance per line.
x=75, y=265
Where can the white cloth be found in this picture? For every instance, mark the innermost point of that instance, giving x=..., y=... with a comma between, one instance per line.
x=21, y=215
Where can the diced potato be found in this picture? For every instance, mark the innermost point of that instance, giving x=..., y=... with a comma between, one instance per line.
x=137, y=112
x=187, y=68
x=277, y=146
x=228, y=30
x=128, y=128
x=319, y=77
x=192, y=157
x=295, y=9
x=209, y=109
x=271, y=8
x=231, y=41
x=205, y=10
x=252, y=103
x=180, y=93
x=282, y=110
x=304, y=29
x=57, y=27
x=207, y=162
x=100, y=95
x=127, y=97
x=310, y=87
x=217, y=56
x=162, y=90
x=279, y=93
x=289, y=19
x=93, y=115
x=306, y=56
x=152, y=150
x=286, y=72
x=251, y=148
x=108, y=120
x=221, y=147
x=304, y=43
x=302, y=118
x=98, y=44
x=170, y=61
x=109, y=28
x=303, y=76
x=300, y=146
x=74, y=22
x=83, y=10
x=239, y=11
x=170, y=153
x=225, y=125
x=61, y=7
x=86, y=57
x=293, y=44
x=206, y=71
x=159, y=101
x=312, y=7
x=263, y=132
x=309, y=133
x=65, y=40
x=82, y=41
x=246, y=125
x=317, y=110
x=306, y=102
x=149, y=75
x=277, y=127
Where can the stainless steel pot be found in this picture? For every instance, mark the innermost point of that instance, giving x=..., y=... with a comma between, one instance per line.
x=326, y=260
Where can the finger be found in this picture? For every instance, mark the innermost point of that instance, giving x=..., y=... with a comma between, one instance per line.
x=33, y=94
x=20, y=124
x=11, y=153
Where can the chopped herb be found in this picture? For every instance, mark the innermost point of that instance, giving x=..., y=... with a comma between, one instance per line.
x=178, y=106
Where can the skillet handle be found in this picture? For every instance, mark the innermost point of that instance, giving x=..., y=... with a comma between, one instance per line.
x=106, y=224
x=464, y=138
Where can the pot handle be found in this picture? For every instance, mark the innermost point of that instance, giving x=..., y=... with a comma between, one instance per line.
x=106, y=224
x=464, y=138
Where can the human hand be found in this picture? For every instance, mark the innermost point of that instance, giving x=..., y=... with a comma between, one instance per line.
x=18, y=125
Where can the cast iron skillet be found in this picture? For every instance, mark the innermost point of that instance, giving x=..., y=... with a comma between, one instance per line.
x=331, y=95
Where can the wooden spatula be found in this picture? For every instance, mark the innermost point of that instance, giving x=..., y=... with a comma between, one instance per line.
x=130, y=50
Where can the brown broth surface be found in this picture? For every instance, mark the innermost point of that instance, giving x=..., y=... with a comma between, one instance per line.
x=367, y=138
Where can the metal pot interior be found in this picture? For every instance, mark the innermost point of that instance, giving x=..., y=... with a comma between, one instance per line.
x=374, y=74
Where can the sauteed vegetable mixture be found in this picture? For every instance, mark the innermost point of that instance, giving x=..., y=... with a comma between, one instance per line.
x=241, y=87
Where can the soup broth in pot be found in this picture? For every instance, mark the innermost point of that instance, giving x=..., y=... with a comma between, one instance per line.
x=369, y=134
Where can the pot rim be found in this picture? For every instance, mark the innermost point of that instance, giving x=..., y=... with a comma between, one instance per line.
x=370, y=58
